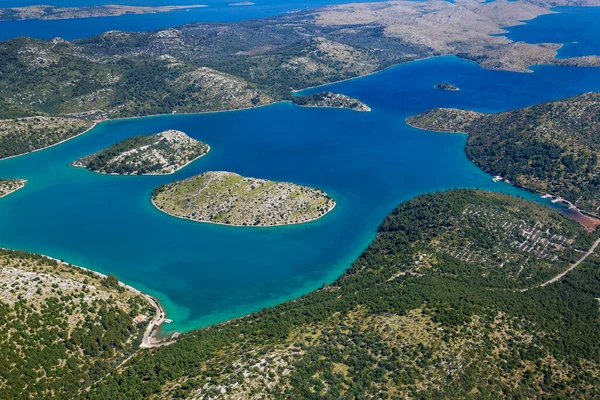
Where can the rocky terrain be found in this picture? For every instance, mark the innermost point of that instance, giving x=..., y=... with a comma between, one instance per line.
x=221, y=66
x=161, y=153
x=50, y=12
x=230, y=199
x=446, y=302
x=7, y=186
x=62, y=328
x=446, y=86
x=330, y=100
x=24, y=135
x=552, y=147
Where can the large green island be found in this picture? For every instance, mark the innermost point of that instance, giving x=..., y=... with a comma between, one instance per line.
x=552, y=147
x=161, y=153
x=230, y=199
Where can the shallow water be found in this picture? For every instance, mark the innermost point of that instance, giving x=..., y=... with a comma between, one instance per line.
x=369, y=162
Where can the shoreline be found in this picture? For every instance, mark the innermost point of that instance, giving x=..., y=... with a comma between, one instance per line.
x=95, y=123
x=21, y=181
x=239, y=225
x=150, y=174
x=560, y=199
x=149, y=332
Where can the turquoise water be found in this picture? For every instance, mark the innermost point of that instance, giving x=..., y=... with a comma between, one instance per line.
x=577, y=27
x=369, y=162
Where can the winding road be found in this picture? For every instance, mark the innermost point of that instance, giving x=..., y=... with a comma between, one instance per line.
x=559, y=276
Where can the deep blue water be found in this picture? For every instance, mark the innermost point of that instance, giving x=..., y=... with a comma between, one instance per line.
x=217, y=11
x=369, y=162
x=577, y=27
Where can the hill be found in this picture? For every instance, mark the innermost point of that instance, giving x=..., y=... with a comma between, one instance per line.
x=552, y=147
x=230, y=199
x=161, y=153
x=62, y=328
x=431, y=309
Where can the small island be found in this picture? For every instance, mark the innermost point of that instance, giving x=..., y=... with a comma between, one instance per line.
x=446, y=86
x=8, y=186
x=158, y=154
x=330, y=100
x=230, y=199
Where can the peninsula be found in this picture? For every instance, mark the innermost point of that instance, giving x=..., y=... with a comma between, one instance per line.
x=64, y=325
x=230, y=199
x=8, y=186
x=24, y=135
x=161, y=153
x=45, y=12
x=330, y=100
x=552, y=147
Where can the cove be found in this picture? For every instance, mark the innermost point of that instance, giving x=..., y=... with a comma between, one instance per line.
x=204, y=274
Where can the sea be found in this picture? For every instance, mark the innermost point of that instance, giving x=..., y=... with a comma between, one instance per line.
x=369, y=162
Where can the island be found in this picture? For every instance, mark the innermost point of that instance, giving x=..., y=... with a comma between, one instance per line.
x=46, y=12
x=551, y=148
x=8, y=186
x=230, y=199
x=24, y=135
x=330, y=100
x=446, y=86
x=457, y=294
x=158, y=154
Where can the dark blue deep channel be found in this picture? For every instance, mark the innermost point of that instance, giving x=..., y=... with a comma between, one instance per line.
x=203, y=274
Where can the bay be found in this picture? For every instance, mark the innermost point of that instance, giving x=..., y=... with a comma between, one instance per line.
x=369, y=162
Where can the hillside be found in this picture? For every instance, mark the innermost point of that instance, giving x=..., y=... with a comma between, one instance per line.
x=161, y=153
x=429, y=310
x=8, y=186
x=61, y=328
x=552, y=147
x=230, y=199
x=24, y=135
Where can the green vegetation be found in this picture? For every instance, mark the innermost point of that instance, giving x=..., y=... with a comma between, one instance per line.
x=23, y=135
x=161, y=153
x=328, y=99
x=411, y=318
x=230, y=199
x=61, y=327
x=552, y=147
